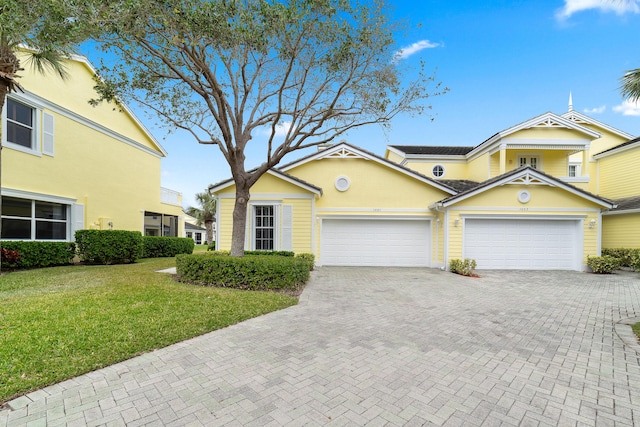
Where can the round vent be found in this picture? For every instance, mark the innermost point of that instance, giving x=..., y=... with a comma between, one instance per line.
x=524, y=196
x=342, y=183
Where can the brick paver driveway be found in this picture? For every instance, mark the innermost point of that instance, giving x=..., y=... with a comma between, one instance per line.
x=373, y=346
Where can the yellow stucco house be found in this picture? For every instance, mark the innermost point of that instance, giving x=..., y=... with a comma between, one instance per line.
x=542, y=194
x=68, y=166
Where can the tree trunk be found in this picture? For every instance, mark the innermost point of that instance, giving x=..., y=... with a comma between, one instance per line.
x=240, y=219
x=209, y=226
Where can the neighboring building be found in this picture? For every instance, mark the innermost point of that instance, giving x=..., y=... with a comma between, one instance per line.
x=538, y=195
x=196, y=232
x=67, y=165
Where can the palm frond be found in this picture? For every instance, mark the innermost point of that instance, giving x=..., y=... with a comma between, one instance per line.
x=630, y=87
x=48, y=59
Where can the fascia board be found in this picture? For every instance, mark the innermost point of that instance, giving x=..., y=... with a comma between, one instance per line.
x=594, y=122
x=542, y=178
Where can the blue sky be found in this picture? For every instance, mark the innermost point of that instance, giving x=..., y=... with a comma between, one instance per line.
x=503, y=61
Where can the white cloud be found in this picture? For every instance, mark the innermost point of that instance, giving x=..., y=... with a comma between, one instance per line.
x=595, y=110
x=281, y=129
x=412, y=49
x=618, y=6
x=628, y=108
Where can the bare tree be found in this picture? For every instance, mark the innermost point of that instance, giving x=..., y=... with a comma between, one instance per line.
x=305, y=70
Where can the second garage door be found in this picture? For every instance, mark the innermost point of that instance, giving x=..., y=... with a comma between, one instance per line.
x=527, y=244
x=374, y=242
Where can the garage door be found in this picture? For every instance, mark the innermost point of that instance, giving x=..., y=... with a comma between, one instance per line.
x=523, y=244
x=404, y=243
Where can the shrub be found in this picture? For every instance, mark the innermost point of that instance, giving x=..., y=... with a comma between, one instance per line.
x=605, y=264
x=249, y=272
x=157, y=247
x=623, y=254
x=635, y=260
x=269, y=253
x=212, y=246
x=30, y=254
x=310, y=258
x=465, y=267
x=109, y=246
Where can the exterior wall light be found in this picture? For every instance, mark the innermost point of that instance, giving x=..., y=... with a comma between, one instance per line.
x=592, y=223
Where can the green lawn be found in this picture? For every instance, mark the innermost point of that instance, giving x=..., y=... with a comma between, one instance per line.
x=56, y=323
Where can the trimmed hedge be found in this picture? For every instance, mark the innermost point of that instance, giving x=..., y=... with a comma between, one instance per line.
x=251, y=272
x=31, y=254
x=310, y=258
x=605, y=264
x=109, y=246
x=157, y=247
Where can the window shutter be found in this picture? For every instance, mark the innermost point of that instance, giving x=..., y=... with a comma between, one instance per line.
x=287, y=227
x=47, y=133
x=77, y=219
x=248, y=231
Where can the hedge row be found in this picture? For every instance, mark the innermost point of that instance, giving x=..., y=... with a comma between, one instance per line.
x=157, y=247
x=628, y=257
x=93, y=247
x=29, y=254
x=251, y=272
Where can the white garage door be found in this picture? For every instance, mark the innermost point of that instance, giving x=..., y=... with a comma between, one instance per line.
x=372, y=242
x=523, y=244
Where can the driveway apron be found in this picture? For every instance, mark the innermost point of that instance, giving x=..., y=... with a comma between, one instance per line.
x=385, y=346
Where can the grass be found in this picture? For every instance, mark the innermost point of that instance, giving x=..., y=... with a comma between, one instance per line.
x=57, y=323
x=636, y=330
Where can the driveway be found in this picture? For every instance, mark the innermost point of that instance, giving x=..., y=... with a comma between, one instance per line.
x=385, y=346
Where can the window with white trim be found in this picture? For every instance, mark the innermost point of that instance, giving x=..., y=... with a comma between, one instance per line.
x=264, y=220
x=27, y=127
x=533, y=161
x=21, y=120
x=437, y=171
x=574, y=170
x=24, y=219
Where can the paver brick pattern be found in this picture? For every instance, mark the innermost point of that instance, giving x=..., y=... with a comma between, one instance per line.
x=385, y=347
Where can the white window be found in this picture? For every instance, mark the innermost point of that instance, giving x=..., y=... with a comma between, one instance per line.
x=438, y=171
x=24, y=219
x=21, y=124
x=264, y=227
x=533, y=161
x=574, y=170
x=270, y=227
x=26, y=127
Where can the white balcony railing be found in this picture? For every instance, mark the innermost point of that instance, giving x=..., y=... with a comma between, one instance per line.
x=170, y=197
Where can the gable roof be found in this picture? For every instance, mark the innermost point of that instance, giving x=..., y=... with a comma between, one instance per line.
x=622, y=147
x=582, y=119
x=346, y=150
x=546, y=120
x=214, y=188
x=525, y=175
x=460, y=184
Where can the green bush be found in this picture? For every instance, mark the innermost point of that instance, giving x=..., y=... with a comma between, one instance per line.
x=605, y=264
x=623, y=254
x=158, y=247
x=212, y=246
x=249, y=272
x=635, y=260
x=109, y=246
x=465, y=267
x=310, y=258
x=269, y=253
x=33, y=254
